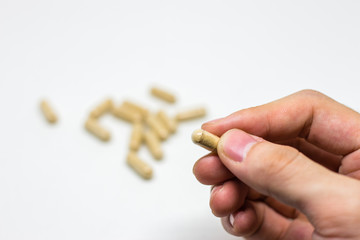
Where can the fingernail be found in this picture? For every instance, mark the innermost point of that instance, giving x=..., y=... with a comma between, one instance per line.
x=236, y=144
x=214, y=189
x=231, y=219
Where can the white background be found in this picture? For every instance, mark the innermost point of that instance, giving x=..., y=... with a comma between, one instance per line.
x=59, y=182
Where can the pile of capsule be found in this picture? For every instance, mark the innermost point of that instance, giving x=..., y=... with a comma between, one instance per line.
x=147, y=127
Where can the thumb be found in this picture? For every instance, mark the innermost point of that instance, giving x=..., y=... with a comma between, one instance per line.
x=284, y=173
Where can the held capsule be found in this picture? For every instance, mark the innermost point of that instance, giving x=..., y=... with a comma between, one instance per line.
x=102, y=108
x=157, y=126
x=163, y=94
x=205, y=139
x=95, y=128
x=191, y=114
x=136, y=136
x=170, y=123
x=48, y=112
x=153, y=143
x=141, y=167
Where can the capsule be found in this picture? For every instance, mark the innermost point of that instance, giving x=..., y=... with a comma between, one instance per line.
x=153, y=143
x=136, y=108
x=102, y=108
x=157, y=126
x=163, y=95
x=136, y=136
x=191, y=114
x=95, y=128
x=126, y=114
x=169, y=123
x=48, y=112
x=205, y=139
x=141, y=167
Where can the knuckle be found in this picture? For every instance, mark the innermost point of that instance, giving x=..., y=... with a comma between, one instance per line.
x=275, y=160
x=310, y=93
x=283, y=160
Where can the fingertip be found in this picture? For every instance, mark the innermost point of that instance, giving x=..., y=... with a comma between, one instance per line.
x=227, y=197
x=242, y=222
x=212, y=122
x=221, y=125
x=209, y=170
x=211, y=128
x=216, y=127
x=201, y=168
x=246, y=220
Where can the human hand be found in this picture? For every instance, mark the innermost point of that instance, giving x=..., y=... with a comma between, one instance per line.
x=288, y=169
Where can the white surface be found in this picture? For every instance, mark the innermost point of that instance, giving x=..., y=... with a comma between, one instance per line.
x=59, y=182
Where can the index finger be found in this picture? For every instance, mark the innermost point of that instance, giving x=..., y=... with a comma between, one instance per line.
x=307, y=114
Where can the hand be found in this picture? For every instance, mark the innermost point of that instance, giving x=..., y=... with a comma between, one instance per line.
x=289, y=169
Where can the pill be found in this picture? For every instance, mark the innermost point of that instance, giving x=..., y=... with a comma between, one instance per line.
x=163, y=94
x=169, y=122
x=136, y=136
x=102, y=108
x=126, y=114
x=157, y=126
x=141, y=167
x=153, y=143
x=136, y=107
x=93, y=126
x=191, y=114
x=48, y=112
x=205, y=139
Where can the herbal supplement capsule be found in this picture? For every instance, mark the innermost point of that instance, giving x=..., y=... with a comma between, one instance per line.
x=102, y=108
x=155, y=124
x=141, y=167
x=170, y=123
x=205, y=139
x=48, y=112
x=137, y=108
x=95, y=128
x=136, y=136
x=126, y=114
x=191, y=114
x=163, y=94
x=153, y=143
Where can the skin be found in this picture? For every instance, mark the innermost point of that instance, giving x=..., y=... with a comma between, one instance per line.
x=289, y=169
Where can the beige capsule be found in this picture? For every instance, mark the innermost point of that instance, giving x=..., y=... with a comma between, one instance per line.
x=163, y=94
x=205, y=139
x=141, y=167
x=48, y=112
x=157, y=126
x=170, y=123
x=191, y=114
x=102, y=108
x=136, y=108
x=93, y=126
x=136, y=136
x=153, y=143
x=126, y=114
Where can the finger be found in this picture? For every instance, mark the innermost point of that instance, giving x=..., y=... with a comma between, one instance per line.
x=350, y=165
x=210, y=170
x=257, y=221
x=328, y=160
x=227, y=197
x=291, y=178
x=282, y=209
x=307, y=114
